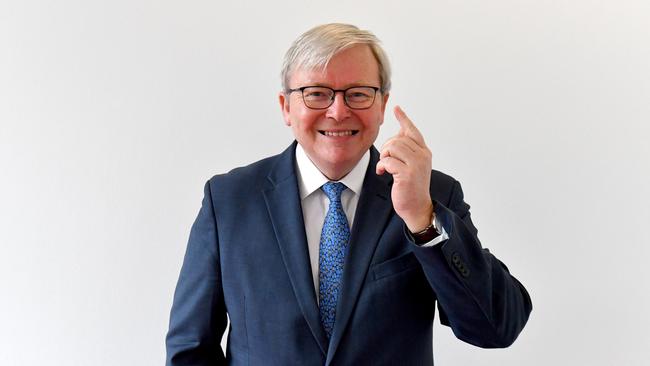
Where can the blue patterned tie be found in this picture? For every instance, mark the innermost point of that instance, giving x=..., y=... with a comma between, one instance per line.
x=333, y=247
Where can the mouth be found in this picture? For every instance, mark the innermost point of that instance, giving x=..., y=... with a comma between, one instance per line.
x=338, y=133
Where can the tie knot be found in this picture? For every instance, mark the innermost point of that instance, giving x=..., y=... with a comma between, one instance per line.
x=333, y=190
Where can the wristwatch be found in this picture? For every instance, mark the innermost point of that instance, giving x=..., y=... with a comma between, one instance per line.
x=424, y=236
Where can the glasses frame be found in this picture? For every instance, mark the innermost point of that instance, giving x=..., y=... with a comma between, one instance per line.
x=334, y=91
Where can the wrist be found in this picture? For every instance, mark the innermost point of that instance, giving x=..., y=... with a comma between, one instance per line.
x=422, y=221
x=427, y=234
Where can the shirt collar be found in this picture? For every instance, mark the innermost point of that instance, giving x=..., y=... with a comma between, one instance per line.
x=310, y=179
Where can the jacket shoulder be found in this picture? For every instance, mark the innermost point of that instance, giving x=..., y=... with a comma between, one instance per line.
x=442, y=186
x=439, y=177
x=245, y=178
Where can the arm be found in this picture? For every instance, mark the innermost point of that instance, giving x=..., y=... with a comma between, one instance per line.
x=198, y=315
x=477, y=297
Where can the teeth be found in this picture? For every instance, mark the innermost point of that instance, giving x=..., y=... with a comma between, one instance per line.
x=339, y=133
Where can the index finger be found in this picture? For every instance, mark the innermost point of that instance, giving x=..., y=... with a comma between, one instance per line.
x=408, y=127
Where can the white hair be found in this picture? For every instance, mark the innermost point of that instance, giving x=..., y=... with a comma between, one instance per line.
x=316, y=47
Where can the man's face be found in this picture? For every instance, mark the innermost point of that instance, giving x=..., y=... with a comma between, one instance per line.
x=336, y=155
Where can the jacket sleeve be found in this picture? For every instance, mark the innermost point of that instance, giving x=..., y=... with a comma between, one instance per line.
x=198, y=314
x=477, y=297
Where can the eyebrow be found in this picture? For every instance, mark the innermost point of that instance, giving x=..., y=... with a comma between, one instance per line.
x=349, y=85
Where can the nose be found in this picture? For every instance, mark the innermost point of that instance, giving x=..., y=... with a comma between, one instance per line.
x=338, y=111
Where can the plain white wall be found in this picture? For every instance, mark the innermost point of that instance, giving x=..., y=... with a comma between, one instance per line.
x=114, y=113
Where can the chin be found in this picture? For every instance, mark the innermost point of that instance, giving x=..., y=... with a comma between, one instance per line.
x=344, y=159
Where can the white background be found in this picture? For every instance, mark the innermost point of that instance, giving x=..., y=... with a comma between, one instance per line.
x=114, y=113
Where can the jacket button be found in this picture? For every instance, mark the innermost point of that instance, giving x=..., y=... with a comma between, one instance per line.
x=459, y=264
x=464, y=272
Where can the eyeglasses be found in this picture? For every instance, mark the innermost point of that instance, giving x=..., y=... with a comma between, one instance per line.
x=321, y=97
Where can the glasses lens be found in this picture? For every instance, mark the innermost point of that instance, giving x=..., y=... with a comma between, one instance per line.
x=360, y=97
x=317, y=97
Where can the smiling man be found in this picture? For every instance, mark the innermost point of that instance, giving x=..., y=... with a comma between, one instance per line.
x=336, y=129
x=334, y=253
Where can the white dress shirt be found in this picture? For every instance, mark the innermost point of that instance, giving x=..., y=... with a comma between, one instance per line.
x=315, y=203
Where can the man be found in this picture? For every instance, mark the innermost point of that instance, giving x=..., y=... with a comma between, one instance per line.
x=333, y=253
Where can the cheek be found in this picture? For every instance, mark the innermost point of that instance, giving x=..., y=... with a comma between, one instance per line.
x=373, y=122
x=306, y=121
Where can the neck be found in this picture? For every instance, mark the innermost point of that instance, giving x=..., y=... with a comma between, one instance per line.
x=335, y=175
x=333, y=171
x=336, y=172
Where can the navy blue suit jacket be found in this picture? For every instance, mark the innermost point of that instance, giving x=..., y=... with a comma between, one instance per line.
x=247, y=258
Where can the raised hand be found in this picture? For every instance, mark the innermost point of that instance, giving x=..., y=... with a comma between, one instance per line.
x=408, y=159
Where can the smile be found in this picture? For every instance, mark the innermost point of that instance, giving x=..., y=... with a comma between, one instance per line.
x=338, y=133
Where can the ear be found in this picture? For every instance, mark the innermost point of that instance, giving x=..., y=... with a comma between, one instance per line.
x=384, y=102
x=284, y=106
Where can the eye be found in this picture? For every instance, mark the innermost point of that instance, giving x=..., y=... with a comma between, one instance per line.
x=314, y=94
x=317, y=94
x=358, y=94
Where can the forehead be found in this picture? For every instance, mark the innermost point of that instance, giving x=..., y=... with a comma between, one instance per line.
x=356, y=65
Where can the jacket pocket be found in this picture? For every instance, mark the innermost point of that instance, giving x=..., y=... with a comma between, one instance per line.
x=394, y=266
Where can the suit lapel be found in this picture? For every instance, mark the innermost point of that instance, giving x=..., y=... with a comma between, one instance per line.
x=373, y=211
x=283, y=203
